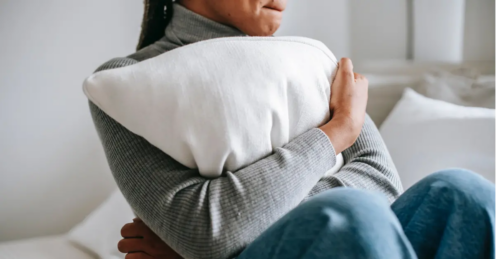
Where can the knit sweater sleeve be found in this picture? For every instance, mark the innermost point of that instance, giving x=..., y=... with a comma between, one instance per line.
x=368, y=166
x=218, y=218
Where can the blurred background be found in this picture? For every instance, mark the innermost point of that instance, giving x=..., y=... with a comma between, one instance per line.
x=53, y=169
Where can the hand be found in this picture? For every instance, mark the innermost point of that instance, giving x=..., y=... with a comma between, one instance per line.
x=142, y=243
x=349, y=97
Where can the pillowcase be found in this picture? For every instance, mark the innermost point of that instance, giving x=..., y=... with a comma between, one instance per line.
x=425, y=136
x=221, y=104
x=462, y=87
x=99, y=232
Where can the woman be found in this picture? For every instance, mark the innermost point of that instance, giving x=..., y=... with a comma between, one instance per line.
x=280, y=206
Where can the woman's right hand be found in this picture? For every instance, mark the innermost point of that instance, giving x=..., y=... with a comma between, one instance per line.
x=349, y=96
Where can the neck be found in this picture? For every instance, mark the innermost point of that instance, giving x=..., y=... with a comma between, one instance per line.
x=188, y=27
x=200, y=8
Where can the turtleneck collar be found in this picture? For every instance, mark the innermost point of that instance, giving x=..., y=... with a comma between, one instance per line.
x=186, y=27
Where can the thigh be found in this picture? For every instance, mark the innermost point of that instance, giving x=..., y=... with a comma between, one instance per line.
x=449, y=214
x=341, y=223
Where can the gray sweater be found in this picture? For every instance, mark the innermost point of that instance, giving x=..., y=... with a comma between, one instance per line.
x=217, y=218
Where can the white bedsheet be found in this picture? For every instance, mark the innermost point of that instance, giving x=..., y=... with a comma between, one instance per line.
x=50, y=247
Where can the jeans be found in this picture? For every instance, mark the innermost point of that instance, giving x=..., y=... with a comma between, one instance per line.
x=450, y=214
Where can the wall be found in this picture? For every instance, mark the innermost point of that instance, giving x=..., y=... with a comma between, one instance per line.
x=52, y=167
x=351, y=28
x=378, y=29
x=479, y=34
x=359, y=29
x=324, y=20
x=495, y=10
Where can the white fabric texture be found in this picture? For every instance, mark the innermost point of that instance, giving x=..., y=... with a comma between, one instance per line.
x=221, y=104
x=100, y=231
x=425, y=135
x=50, y=247
x=462, y=87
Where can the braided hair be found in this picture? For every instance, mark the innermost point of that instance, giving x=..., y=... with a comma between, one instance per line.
x=157, y=15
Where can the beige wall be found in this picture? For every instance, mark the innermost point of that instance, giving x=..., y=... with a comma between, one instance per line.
x=52, y=168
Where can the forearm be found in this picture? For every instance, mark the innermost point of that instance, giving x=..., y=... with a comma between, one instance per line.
x=368, y=165
x=202, y=218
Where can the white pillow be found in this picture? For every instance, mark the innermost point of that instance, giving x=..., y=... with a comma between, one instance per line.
x=223, y=103
x=425, y=135
x=100, y=231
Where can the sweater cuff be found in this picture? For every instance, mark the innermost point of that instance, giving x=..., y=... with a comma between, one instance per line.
x=314, y=145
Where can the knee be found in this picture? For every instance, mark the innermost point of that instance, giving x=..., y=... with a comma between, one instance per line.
x=345, y=208
x=356, y=222
x=351, y=200
x=469, y=187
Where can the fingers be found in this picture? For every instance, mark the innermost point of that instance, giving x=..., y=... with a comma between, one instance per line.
x=359, y=77
x=138, y=256
x=346, y=69
x=137, y=220
x=130, y=245
x=131, y=230
x=346, y=64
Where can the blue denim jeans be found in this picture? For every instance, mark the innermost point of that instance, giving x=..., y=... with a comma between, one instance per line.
x=450, y=214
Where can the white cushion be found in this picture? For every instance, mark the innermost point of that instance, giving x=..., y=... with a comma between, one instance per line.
x=100, y=231
x=459, y=88
x=425, y=135
x=221, y=104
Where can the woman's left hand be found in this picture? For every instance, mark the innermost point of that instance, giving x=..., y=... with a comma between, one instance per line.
x=140, y=242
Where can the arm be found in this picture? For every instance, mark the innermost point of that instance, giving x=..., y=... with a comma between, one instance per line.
x=210, y=218
x=368, y=165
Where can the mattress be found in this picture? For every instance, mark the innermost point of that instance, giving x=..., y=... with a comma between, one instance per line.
x=50, y=247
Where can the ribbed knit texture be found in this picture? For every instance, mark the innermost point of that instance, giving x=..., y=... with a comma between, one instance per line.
x=218, y=218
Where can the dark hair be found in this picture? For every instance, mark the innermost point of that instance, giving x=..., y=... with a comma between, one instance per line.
x=157, y=15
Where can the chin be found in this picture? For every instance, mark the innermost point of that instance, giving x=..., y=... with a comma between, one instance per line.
x=264, y=29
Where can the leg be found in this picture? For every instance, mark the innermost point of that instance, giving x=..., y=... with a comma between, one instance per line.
x=450, y=214
x=341, y=223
